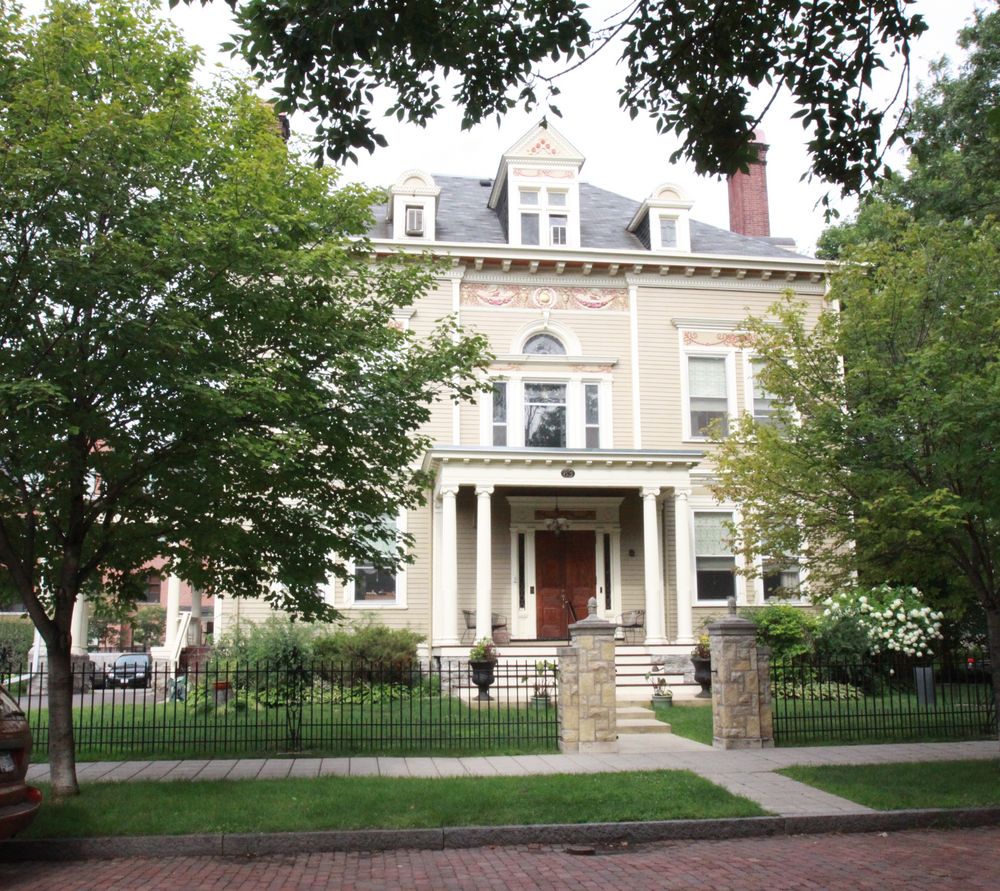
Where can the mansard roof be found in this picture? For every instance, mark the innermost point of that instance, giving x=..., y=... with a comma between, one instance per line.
x=464, y=217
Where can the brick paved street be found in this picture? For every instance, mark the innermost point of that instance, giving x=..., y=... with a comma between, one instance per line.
x=965, y=859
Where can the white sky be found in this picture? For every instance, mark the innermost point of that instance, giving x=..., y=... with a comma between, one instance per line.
x=625, y=156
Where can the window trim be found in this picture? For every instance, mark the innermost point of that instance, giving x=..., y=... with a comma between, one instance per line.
x=401, y=574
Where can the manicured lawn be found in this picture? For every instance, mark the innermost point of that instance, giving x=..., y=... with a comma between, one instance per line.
x=962, y=711
x=139, y=728
x=690, y=721
x=171, y=808
x=888, y=787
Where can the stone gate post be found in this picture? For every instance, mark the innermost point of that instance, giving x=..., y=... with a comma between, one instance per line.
x=741, y=686
x=587, y=705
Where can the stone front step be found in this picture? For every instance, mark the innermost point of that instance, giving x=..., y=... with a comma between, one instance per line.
x=632, y=663
x=633, y=718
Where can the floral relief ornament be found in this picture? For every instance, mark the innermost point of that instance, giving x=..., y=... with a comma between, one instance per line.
x=727, y=338
x=545, y=297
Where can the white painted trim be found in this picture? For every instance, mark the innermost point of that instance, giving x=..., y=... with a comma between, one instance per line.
x=633, y=306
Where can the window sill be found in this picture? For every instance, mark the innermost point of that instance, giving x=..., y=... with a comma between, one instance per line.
x=365, y=604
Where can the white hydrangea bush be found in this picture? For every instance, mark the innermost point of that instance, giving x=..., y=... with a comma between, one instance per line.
x=896, y=619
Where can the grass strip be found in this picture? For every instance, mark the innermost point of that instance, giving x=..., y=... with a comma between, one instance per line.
x=690, y=721
x=890, y=787
x=174, y=808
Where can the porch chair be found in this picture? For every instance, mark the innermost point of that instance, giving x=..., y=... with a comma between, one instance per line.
x=498, y=624
x=631, y=622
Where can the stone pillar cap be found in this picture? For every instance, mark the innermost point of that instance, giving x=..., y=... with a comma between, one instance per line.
x=593, y=624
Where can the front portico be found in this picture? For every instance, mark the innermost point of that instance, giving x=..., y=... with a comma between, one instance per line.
x=534, y=533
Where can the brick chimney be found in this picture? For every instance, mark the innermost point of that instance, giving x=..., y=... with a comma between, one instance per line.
x=748, y=213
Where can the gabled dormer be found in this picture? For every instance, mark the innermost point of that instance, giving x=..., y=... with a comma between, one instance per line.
x=413, y=206
x=536, y=192
x=662, y=221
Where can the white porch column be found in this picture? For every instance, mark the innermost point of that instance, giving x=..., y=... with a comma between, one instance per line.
x=656, y=632
x=78, y=628
x=449, y=566
x=682, y=549
x=173, y=612
x=484, y=563
x=196, y=615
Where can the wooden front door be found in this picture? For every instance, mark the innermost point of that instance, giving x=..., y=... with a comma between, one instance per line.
x=565, y=574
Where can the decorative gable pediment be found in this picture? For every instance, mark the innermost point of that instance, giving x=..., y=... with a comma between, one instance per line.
x=543, y=141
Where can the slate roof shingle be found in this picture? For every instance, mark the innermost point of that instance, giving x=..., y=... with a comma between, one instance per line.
x=463, y=216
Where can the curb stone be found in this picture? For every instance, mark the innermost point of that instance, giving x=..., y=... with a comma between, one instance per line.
x=368, y=840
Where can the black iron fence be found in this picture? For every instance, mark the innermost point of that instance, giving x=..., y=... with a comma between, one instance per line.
x=881, y=699
x=319, y=708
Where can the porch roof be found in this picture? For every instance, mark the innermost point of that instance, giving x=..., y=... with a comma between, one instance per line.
x=568, y=468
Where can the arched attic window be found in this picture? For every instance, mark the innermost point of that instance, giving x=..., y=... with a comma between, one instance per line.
x=544, y=345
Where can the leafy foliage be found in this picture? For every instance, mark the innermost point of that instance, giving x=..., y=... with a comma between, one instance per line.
x=148, y=624
x=881, y=619
x=691, y=65
x=199, y=358
x=366, y=644
x=787, y=631
x=16, y=638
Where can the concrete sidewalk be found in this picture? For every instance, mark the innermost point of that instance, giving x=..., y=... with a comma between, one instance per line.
x=747, y=773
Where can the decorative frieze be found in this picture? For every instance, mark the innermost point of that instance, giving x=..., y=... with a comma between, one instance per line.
x=717, y=338
x=543, y=297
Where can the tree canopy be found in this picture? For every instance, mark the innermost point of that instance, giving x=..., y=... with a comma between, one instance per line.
x=694, y=66
x=954, y=136
x=200, y=361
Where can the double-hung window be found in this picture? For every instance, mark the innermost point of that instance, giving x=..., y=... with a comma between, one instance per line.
x=414, y=220
x=500, y=413
x=542, y=217
x=715, y=563
x=763, y=405
x=545, y=415
x=592, y=415
x=781, y=578
x=708, y=394
x=376, y=586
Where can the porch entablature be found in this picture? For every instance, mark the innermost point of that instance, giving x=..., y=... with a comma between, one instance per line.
x=563, y=468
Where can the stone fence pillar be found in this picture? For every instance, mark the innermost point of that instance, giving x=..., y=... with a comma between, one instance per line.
x=741, y=688
x=587, y=704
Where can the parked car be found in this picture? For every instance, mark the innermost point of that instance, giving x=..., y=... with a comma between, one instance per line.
x=19, y=802
x=130, y=670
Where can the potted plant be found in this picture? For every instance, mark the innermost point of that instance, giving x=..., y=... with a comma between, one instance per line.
x=662, y=694
x=544, y=670
x=701, y=659
x=483, y=661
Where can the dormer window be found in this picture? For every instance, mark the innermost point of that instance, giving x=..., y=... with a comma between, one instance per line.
x=662, y=223
x=414, y=220
x=544, y=345
x=536, y=190
x=412, y=207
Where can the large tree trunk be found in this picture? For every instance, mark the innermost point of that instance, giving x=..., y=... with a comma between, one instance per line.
x=993, y=634
x=62, y=751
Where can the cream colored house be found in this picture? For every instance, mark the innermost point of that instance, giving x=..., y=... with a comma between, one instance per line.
x=584, y=472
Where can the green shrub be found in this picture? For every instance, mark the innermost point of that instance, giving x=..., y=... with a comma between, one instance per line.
x=816, y=690
x=278, y=642
x=370, y=652
x=16, y=637
x=786, y=630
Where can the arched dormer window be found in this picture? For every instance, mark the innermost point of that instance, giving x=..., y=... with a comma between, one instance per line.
x=544, y=344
